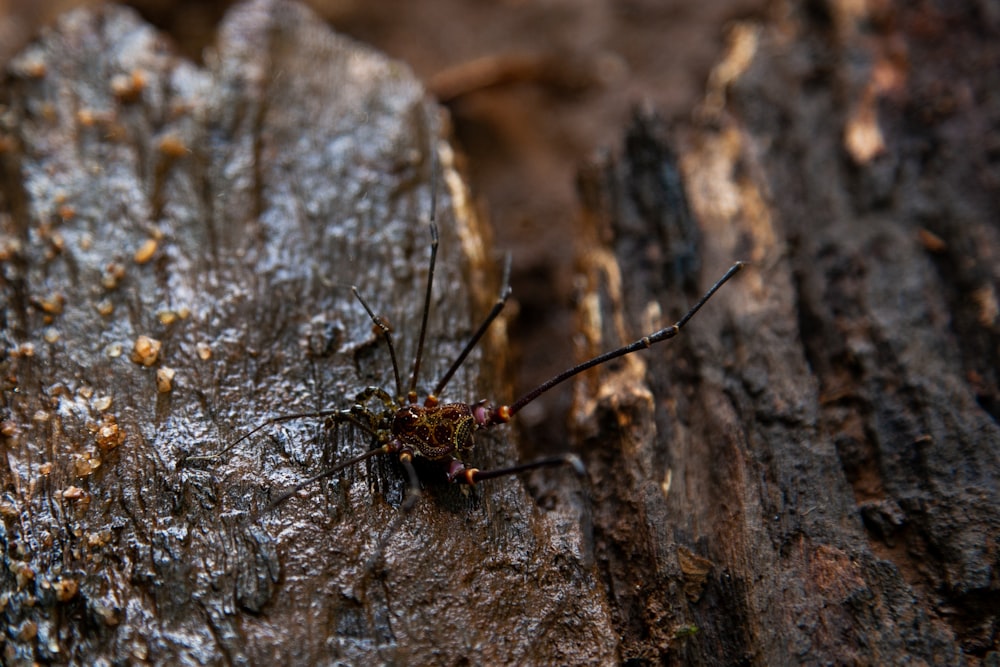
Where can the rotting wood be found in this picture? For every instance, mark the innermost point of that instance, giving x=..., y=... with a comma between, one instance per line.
x=826, y=438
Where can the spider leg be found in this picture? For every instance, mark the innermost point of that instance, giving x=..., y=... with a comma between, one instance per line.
x=329, y=472
x=413, y=494
x=413, y=482
x=353, y=414
x=337, y=413
x=459, y=474
x=480, y=332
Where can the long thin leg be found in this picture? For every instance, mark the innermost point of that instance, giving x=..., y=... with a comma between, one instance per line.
x=413, y=494
x=342, y=414
x=481, y=331
x=412, y=393
x=285, y=495
x=641, y=344
x=413, y=482
x=474, y=475
x=387, y=334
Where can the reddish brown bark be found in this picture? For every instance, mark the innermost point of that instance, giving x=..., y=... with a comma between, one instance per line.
x=828, y=432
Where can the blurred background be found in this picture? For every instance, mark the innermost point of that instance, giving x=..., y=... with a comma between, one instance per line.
x=536, y=88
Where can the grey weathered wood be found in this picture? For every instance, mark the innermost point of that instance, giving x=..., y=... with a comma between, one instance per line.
x=303, y=167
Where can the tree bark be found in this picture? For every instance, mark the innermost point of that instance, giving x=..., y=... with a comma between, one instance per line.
x=806, y=475
x=225, y=211
x=823, y=438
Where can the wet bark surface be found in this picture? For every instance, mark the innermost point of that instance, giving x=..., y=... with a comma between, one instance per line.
x=807, y=475
x=224, y=212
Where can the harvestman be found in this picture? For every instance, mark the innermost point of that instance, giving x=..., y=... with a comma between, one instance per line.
x=442, y=433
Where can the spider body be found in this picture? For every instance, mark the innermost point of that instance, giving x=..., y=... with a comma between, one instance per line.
x=444, y=433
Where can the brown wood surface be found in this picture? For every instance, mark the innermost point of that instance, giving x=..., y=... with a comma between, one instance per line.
x=808, y=475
